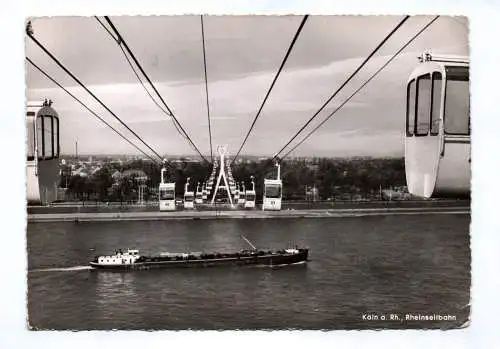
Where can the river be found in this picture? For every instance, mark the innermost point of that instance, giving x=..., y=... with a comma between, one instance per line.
x=360, y=269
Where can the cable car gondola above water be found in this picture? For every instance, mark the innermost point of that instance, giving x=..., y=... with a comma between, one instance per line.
x=204, y=192
x=437, y=141
x=272, y=192
x=42, y=164
x=199, y=194
x=250, y=196
x=166, y=193
x=237, y=194
x=188, y=196
x=241, y=196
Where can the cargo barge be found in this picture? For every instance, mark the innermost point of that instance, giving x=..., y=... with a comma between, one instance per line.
x=132, y=260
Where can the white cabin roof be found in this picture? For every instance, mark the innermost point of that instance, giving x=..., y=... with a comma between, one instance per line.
x=273, y=181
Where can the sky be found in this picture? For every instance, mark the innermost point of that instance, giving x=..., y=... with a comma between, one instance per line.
x=243, y=54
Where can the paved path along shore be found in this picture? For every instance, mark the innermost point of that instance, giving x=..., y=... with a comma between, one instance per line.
x=244, y=214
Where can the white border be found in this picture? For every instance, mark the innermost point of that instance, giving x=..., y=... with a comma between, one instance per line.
x=484, y=23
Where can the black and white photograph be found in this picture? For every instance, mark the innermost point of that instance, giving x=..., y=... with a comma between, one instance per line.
x=248, y=172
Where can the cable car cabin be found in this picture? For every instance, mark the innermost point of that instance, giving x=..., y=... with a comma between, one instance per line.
x=272, y=194
x=222, y=196
x=437, y=141
x=204, y=193
x=189, y=199
x=241, y=195
x=167, y=196
x=232, y=186
x=199, y=195
x=42, y=166
x=188, y=196
x=250, y=196
x=208, y=191
x=166, y=193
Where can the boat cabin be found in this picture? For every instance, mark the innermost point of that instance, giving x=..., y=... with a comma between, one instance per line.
x=120, y=257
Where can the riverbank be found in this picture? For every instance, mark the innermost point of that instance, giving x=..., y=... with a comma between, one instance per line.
x=99, y=207
x=243, y=214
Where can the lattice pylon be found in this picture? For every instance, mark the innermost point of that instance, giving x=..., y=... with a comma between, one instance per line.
x=222, y=150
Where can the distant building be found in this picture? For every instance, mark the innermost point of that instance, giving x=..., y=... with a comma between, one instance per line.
x=117, y=176
x=393, y=194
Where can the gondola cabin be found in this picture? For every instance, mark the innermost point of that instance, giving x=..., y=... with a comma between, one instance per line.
x=166, y=193
x=241, y=195
x=272, y=193
x=42, y=166
x=188, y=196
x=437, y=140
x=199, y=194
x=250, y=196
x=204, y=193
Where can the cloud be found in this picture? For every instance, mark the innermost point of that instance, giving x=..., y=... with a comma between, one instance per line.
x=243, y=54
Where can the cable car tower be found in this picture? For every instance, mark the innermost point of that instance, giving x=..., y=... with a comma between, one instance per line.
x=222, y=150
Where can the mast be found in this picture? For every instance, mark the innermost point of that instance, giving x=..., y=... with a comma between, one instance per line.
x=248, y=242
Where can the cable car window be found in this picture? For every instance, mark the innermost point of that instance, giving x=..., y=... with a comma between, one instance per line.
x=273, y=191
x=457, y=99
x=31, y=139
x=167, y=194
x=410, y=109
x=48, y=143
x=437, y=83
x=423, y=105
x=250, y=197
x=55, y=131
x=39, y=137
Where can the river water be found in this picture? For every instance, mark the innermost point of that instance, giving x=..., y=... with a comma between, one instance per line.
x=360, y=269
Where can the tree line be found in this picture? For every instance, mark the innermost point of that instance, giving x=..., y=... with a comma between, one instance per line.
x=334, y=178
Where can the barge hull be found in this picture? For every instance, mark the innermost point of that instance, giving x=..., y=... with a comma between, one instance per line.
x=268, y=260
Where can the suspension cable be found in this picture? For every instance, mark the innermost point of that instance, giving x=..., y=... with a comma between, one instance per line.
x=117, y=40
x=132, y=67
x=90, y=110
x=122, y=41
x=206, y=88
x=30, y=35
x=344, y=84
x=272, y=84
x=363, y=85
x=138, y=77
